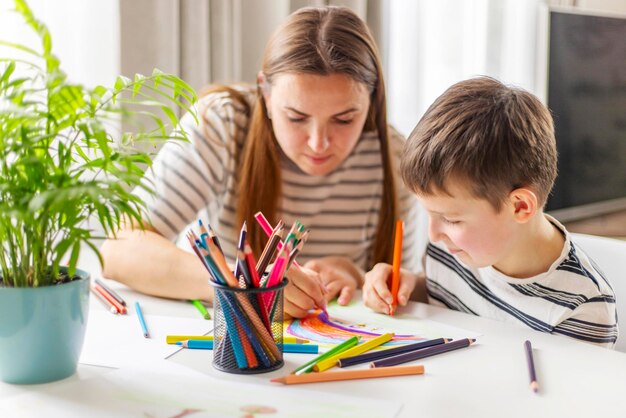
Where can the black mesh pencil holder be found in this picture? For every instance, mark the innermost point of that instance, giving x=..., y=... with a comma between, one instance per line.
x=248, y=333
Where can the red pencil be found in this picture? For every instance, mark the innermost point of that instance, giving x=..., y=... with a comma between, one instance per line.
x=120, y=308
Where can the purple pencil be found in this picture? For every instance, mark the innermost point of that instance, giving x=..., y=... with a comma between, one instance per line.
x=425, y=352
x=531, y=366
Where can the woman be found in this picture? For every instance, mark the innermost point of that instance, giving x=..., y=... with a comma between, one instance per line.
x=310, y=143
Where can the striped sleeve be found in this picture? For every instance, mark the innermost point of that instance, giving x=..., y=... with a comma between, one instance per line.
x=595, y=321
x=188, y=176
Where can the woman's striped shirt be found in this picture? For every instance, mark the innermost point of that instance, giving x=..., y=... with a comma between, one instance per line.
x=196, y=179
x=573, y=298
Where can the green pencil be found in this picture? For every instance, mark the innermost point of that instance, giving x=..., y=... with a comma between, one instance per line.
x=307, y=367
x=201, y=308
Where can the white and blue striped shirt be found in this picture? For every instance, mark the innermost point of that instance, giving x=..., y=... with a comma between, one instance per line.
x=573, y=298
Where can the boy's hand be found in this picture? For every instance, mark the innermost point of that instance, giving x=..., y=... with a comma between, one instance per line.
x=377, y=295
x=339, y=275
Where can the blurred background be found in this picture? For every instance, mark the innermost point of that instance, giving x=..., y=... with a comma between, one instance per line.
x=570, y=53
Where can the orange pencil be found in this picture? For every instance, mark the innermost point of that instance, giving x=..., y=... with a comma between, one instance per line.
x=397, y=260
x=120, y=308
x=293, y=379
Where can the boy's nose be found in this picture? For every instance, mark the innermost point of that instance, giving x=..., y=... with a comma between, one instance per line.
x=434, y=231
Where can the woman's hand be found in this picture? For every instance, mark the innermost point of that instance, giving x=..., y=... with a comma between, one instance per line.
x=304, y=292
x=339, y=275
x=377, y=295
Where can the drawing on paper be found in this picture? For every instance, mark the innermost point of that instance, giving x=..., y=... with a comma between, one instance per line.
x=318, y=327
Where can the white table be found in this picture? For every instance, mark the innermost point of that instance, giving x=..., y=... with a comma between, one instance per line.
x=488, y=379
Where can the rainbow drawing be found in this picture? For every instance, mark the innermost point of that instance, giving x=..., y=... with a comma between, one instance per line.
x=319, y=328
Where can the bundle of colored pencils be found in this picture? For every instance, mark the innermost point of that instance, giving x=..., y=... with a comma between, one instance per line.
x=247, y=296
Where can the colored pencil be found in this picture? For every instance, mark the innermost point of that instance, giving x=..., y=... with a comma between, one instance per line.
x=215, y=239
x=300, y=348
x=242, y=238
x=142, y=321
x=110, y=307
x=173, y=339
x=111, y=292
x=201, y=308
x=292, y=379
x=359, y=349
x=251, y=264
x=308, y=366
x=286, y=348
x=377, y=355
x=534, y=385
x=270, y=249
x=120, y=308
x=265, y=225
x=204, y=234
x=425, y=352
x=397, y=261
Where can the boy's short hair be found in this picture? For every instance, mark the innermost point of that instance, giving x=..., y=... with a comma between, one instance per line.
x=493, y=137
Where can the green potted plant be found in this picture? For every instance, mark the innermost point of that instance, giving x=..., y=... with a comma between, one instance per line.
x=64, y=161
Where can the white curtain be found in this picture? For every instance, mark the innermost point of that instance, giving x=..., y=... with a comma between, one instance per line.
x=435, y=43
x=209, y=41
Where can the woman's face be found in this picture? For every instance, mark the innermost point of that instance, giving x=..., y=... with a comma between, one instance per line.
x=317, y=120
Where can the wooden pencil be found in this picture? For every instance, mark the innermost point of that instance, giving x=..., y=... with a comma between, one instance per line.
x=111, y=292
x=359, y=349
x=530, y=362
x=120, y=308
x=173, y=339
x=105, y=302
x=292, y=379
x=397, y=261
x=308, y=366
x=390, y=352
x=425, y=352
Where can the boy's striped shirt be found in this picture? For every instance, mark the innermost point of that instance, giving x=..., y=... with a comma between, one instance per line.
x=573, y=298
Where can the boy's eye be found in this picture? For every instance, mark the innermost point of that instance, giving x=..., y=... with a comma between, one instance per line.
x=450, y=222
x=296, y=119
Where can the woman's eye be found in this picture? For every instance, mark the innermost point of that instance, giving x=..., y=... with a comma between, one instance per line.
x=344, y=121
x=296, y=120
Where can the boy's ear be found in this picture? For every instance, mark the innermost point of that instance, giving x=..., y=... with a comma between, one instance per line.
x=524, y=203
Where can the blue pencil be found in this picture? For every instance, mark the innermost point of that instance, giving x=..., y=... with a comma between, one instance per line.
x=286, y=348
x=142, y=321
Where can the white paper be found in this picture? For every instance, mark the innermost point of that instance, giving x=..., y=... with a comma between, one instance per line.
x=141, y=392
x=118, y=341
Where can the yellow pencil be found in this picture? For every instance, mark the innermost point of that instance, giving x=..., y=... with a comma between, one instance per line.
x=293, y=379
x=354, y=351
x=173, y=339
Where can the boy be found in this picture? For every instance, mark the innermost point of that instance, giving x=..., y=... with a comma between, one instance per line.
x=482, y=161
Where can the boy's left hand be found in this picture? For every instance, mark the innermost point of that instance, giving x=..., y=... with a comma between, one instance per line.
x=376, y=293
x=340, y=276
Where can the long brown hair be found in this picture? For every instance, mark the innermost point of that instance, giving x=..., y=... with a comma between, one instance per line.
x=320, y=41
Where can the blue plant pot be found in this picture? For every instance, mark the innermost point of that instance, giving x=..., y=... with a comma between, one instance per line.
x=42, y=330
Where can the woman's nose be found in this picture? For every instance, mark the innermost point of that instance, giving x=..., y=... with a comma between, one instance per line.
x=318, y=139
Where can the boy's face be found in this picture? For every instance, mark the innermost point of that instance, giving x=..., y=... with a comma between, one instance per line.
x=470, y=227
